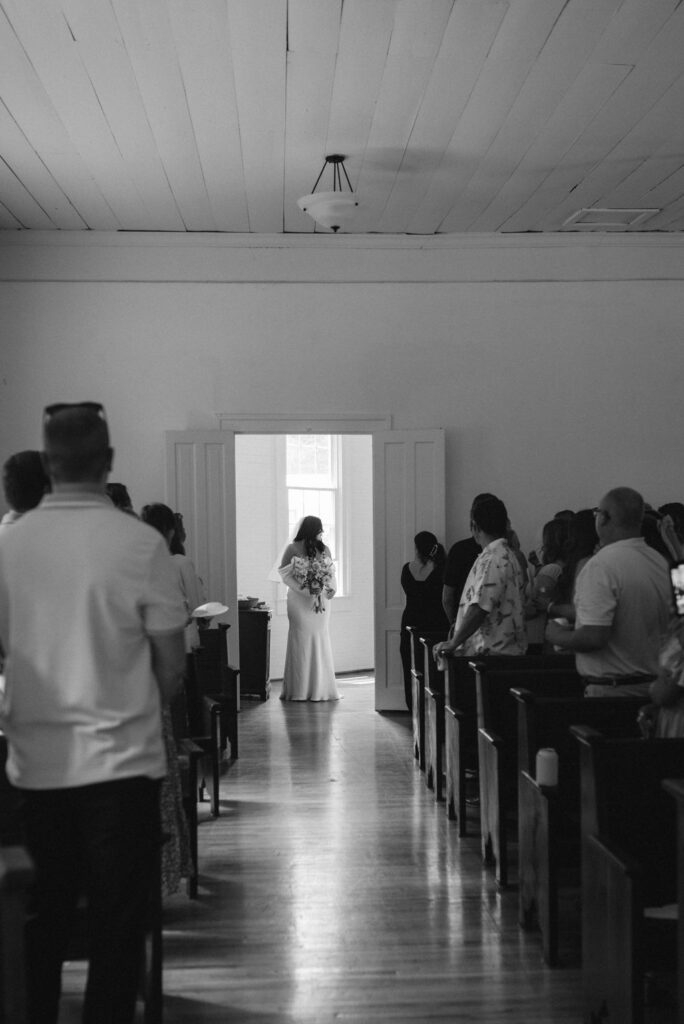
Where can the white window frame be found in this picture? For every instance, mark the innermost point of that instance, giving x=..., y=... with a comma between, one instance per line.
x=341, y=551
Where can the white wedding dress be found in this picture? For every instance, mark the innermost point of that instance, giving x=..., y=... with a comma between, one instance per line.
x=309, y=671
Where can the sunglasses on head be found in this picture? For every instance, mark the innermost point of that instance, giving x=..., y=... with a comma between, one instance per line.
x=52, y=410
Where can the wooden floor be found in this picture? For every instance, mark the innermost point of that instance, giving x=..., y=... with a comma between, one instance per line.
x=334, y=889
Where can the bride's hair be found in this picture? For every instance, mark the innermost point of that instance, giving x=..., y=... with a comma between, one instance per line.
x=308, y=531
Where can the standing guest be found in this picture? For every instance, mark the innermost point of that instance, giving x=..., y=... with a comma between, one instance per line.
x=24, y=482
x=164, y=521
x=459, y=562
x=119, y=496
x=421, y=581
x=490, y=616
x=622, y=602
x=544, y=587
x=91, y=621
x=675, y=511
x=581, y=544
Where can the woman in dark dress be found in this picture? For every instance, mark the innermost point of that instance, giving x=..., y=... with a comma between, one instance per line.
x=421, y=580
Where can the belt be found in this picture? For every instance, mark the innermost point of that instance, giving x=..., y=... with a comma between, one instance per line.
x=617, y=680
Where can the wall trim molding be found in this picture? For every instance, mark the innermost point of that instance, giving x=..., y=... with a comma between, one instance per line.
x=315, y=423
x=220, y=259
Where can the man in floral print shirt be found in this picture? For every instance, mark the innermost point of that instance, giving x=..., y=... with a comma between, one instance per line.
x=490, y=616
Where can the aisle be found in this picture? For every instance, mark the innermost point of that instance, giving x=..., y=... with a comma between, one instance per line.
x=333, y=889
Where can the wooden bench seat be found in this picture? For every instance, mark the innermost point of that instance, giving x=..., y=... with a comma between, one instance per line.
x=629, y=863
x=549, y=817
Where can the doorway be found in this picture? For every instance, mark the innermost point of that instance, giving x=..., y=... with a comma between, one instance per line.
x=407, y=495
x=279, y=478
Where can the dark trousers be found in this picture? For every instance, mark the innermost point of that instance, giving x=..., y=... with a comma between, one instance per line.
x=102, y=842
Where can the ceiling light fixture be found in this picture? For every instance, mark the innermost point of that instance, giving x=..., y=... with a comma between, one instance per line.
x=331, y=209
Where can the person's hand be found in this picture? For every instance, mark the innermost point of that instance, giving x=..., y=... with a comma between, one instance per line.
x=557, y=632
x=647, y=720
x=439, y=650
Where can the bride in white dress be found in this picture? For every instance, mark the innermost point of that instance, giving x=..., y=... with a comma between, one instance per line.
x=309, y=671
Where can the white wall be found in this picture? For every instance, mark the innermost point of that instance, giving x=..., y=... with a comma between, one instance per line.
x=260, y=541
x=554, y=363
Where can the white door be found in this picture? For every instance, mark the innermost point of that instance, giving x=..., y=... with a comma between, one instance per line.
x=200, y=484
x=408, y=496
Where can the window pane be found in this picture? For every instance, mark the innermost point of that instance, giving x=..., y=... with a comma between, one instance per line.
x=309, y=460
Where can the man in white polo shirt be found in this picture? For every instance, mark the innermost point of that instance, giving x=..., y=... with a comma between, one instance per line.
x=622, y=602
x=91, y=623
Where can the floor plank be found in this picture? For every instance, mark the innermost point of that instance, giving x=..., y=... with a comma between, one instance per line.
x=334, y=889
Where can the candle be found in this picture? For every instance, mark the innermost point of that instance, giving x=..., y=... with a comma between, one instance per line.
x=547, y=767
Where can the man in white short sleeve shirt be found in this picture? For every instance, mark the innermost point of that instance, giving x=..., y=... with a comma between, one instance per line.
x=622, y=601
x=91, y=623
x=490, y=617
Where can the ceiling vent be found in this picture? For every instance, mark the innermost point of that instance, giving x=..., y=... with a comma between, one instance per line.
x=598, y=218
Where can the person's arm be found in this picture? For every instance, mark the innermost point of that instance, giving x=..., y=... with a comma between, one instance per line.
x=584, y=638
x=472, y=620
x=288, y=554
x=168, y=661
x=450, y=601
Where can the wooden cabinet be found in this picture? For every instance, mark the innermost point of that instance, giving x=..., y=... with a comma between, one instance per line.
x=255, y=652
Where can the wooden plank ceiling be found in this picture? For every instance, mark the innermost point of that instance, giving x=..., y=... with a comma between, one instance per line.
x=453, y=115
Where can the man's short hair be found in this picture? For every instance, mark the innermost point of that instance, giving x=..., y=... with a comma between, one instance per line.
x=490, y=516
x=626, y=507
x=24, y=480
x=76, y=444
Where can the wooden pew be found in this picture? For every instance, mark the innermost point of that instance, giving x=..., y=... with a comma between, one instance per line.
x=213, y=677
x=497, y=738
x=198, y=718
x=675, y=788
x=549, y=817
x=433, y=699
x=460, y=738
x=629, y=863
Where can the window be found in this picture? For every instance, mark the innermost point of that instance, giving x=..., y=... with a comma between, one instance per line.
x=312, y=479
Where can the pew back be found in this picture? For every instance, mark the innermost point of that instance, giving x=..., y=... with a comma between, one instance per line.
x=545, y=721
x=624, y=803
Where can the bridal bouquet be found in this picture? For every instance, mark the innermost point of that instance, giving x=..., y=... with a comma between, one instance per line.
x=315, y=575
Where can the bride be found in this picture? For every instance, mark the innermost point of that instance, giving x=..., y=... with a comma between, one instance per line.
x=309, y=671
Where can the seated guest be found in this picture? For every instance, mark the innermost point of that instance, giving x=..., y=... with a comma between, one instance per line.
x=582, y=542
x=622, y=602
x=24, y=482
x=490, y=616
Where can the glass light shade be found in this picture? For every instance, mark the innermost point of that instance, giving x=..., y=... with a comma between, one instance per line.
x=329, y=209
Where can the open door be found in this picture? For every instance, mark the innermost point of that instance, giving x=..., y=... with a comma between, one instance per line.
x=200, y=483
x=408, y=496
